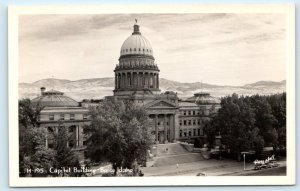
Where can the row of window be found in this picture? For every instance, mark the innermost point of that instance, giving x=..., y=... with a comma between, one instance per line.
x=191, y=132
x=62, y=117
x=71, y=129
x=189, y=122
x=129, y=50
x=190, y=112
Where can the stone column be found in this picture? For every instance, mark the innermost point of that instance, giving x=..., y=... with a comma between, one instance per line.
x=77, y=135
x=156, y=130
x=150, y=80
x=157, y=80
x=154, y=80
x=131, y=79
x=46, y=144
x=165, y=128
x=171, y=127
x=143, y=80
x=121, y=80
x=126, y=80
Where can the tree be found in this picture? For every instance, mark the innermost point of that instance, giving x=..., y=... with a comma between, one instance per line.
x=33, y=153
x=250, y=122
x=119, y=133
x=65, y=156
x=29, y=113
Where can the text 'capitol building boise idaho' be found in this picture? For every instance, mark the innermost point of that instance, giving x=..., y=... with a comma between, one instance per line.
x=136, y=80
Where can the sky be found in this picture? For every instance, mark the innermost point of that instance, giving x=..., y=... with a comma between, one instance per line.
x=221, y=49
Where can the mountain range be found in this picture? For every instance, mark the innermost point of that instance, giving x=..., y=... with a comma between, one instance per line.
x=97, y=88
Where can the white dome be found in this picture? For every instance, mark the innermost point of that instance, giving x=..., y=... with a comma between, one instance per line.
x=136, y=44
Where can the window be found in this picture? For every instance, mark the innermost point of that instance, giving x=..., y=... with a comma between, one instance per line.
x=134, y=49
x=51, y=117
x=199, y=122
x=180, y=122
x=167, y=123
x=189, y=112
x=158, y=123
x=190, y=133
x=184, y=113
x=194, y=122
x=50, y=146
x=72, y=116
x=184, y=134
x=194, y=112
x=71, y=143
x=199, y=132
x=180, y=133
x=84, y=143
x=50, y=130
x=194, y=132
x=62, y=117
x=190, y=122
x=184, y=122
x=85, y=116
x=71, y=129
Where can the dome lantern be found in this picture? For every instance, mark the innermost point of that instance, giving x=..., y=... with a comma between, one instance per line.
x=136, y=28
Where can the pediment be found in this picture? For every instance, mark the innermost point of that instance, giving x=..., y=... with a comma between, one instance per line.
x=161, y=104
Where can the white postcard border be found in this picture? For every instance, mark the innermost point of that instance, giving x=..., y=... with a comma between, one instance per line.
x=16, y=181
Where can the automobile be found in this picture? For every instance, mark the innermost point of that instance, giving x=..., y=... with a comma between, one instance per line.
x=201, y=174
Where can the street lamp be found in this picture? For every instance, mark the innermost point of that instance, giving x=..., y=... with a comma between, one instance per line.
x=244, y=155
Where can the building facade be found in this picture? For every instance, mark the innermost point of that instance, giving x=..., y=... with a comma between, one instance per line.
x=59, y=111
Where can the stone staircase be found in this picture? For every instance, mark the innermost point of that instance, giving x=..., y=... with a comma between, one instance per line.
x=174, y=153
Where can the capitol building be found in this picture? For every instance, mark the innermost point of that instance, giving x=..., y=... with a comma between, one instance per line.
x=136, y=80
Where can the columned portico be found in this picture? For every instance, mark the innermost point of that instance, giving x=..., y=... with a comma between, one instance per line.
x=164, y=127
x=74, y=131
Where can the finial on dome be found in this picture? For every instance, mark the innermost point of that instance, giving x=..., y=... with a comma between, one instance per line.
x=136, y=28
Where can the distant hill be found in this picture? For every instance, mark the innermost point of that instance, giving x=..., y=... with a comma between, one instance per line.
x=96, y=88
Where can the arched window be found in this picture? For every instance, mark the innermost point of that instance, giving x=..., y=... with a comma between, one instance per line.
x=130, y=50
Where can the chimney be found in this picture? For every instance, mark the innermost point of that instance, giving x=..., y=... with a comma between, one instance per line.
x=43, y=90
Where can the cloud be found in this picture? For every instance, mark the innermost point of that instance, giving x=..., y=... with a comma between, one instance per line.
x=214, y=48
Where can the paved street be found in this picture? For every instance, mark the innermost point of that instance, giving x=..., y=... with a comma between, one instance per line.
x=213, y=167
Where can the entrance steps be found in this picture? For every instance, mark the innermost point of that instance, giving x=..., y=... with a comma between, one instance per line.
x=170, y=149
x=174, y=153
